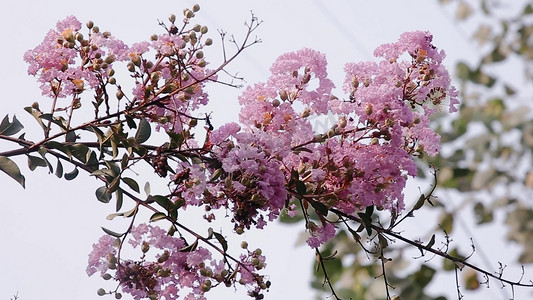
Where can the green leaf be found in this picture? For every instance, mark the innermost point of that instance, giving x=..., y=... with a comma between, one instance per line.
x=158, y=216
x=300, y=187
x=420, y=202
x=80, y=152
x=462, y=71
x=163, y=201
x=36, y=114
x=71, y=175
x=222, y=241
x=10, y=168
x=59, y=169
x=446, y=222
x=7, y=128
x=431, y=241
x=34, y=162
x=189, y=248
x=112, y=233
x=58, y=146
x=103, y=195
x=120, y=199
x=131, y=122
x=143, y=132
x=320, y=208
x=131, y=183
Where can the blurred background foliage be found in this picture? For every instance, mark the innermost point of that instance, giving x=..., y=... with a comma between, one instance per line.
x=485, y=167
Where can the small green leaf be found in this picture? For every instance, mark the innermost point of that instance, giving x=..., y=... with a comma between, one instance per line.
x=163, y=201
x=112, y=233
x=59, y=169
x=157, y=216
x=222, y=241
x=7, y=128
x=383, y=242
x=34, y=162
x=300, y=187
x=112, y=216
x=36, y=114
x=431, y=241
x=420, y=202
x=120, y=199
x=446, y=222
x=103, y=195
x=320, y=208
x=71, y=175
x=189, y=248
x=131, y=122
x=131, y=183
x=143, y=132
x=10, y=168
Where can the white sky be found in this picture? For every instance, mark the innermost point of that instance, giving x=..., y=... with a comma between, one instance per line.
x=48, y=228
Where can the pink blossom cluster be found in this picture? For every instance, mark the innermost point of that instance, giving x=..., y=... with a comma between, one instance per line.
x=66, y=61
x=175, y=269
x=366, y=157
x=168, y=88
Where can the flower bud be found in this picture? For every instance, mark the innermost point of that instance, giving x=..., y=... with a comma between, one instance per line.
x=145, y=247
x=188, y=13
x=342, y=122
x=172, y=18
x=112, y=80
x=199, y=54
x=90, y=24
x=276, y=102
x=368, y=109
x=195, y=8
x=203, y=30
x=208, y=42
x=118, y=295
x=258, y=251
x=131, y=67
x=197, y=28
x=119, y=94
x=96, y=29
x=100, y=292
x=244, y=245
x=306, y=113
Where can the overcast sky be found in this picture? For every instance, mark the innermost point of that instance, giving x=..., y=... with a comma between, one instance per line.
x=48, y=228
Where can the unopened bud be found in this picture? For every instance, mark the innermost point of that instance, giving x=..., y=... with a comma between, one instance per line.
x=195, y=8
x=90, y=24
x=203, y=30
x=342, y=122
x=244, y=245
x=306, y=113
x=101, y=292
x=96, y=29
x=145, y=247
x=197, y=27
x=276, y=102
x=172, y=18
x=368, y=109
x=188, y=13
x=208, y=42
